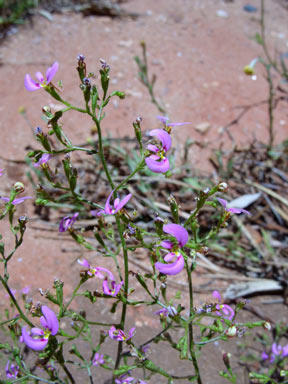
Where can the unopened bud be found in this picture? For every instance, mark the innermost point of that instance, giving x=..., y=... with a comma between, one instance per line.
x=231, y=331
x=19, y=187
x=23, y=220
x=226, y=358
x=222, y=187
x=267, y=326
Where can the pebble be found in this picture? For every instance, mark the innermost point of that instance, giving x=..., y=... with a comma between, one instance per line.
x=222, y=13
x=250, y=8
x=203, y=127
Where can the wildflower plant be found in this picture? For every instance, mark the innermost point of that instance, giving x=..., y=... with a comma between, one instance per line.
x=172, y=246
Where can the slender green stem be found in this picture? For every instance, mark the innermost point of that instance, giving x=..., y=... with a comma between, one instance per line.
x=73, y=295
x=23, y=316
x=123, y=243
x=190, y=326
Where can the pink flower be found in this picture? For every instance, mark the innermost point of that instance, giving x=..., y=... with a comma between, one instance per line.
x=224, y=310
x=11, y=370
x=181, y=237
x=114, y=290
x=98, y=359
x=37, y=339
x=43, y=160
x=32, y=85
x=1, y=171
x=157, y=162
x=119, y=335
x=224, y=204
x=67, y=222
x=118, y=205
x=98, y=272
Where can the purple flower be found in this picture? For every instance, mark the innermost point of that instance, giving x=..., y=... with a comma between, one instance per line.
x=224, y=204
x=124, y=379
x=157, y=162
x=32, y=85
x=98, y=359
x=278, y=350
x=165, y=120
x=181, y=235
x=96, y=271
x=67, y=222
x=166, y=312
x=11, y=370
x=119, y=335
x=43, y=160
x=223, y=310
x=38, y=338
x=25, y=290
x=1, y=171
x=108, y=210
x=118, y=204
x=16, y=201
x=114, y=290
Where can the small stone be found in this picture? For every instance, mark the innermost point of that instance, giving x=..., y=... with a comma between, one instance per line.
x=203, y=127
x=125, y=43
x=222, y=13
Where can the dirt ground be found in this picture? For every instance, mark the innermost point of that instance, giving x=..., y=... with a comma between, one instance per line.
x=198, y=57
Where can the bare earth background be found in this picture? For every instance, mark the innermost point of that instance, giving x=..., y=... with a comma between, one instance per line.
x=198, y=58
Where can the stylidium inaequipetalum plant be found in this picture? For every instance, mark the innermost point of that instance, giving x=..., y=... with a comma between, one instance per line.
x=173, y=246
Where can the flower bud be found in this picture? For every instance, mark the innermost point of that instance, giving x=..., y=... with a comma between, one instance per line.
x=231, y=331
x=19, y=187
x=249, y=71
x=222, y=187
x=226, y=358
x=267, y=326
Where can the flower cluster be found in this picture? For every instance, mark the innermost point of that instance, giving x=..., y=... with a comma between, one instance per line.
x=181, y=235
x=38, y=338
x=98, y=272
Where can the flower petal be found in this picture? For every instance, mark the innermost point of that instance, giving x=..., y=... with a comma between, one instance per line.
x=167, y=244
x=163, y=119
x=170, y=256
x=35, y=344
x=217, y=295
x=123, y=202
x=222, y=202
x=178, y=232
x=156, y=166
x=21, y=199
x=51, y=319
x=178, y=124
x=238, y=210
x=163, y=136
x=51, y=72
x=152, y=148
x=39, y=77
x=173, y=268
x=107, y=208
x=84, y=263
x=31, y=84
